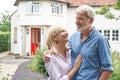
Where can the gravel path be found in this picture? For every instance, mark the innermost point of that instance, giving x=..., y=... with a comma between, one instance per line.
x=18, y=68
x=8, y=65
x=23, y=73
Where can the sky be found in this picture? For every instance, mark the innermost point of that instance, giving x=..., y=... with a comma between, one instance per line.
x=7, y=5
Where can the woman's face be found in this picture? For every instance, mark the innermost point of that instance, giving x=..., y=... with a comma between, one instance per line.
x=62, y=37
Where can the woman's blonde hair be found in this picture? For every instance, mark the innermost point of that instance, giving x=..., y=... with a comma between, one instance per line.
x=50, y=40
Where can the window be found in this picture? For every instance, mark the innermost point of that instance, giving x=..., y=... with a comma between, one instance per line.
x=57, y=8
x=100, y=31
x=15, y=34
x=107, y=34
x=115, y=35
x=111, y=35
x=33, y=7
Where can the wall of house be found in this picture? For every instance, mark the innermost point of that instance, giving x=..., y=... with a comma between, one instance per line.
x=71, y=20
x=24, y=21
x=100, y=22
x=43, y=18
x=27, y=21
x=15, y=47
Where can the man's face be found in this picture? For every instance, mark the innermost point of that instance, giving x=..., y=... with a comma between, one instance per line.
x=82, y=22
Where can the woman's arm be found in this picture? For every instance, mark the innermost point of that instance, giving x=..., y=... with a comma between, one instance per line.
x=55, y=72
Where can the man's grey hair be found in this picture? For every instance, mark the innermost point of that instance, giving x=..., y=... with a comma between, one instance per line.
x=86, y=9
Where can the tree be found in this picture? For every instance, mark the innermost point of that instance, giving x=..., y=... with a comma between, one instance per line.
x=5, y=23
x=117, y=5
x=105, y=10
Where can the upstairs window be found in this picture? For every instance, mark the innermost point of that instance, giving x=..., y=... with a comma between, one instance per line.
x=57, y=8
x=33, y=7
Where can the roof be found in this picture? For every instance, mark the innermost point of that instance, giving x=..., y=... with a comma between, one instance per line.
x=80, y=2
x=92, y=2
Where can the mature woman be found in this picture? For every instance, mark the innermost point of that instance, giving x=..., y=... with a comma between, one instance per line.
x=59, y=67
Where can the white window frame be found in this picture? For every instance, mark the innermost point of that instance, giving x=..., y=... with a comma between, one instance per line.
x=33, y=8
x=107, y=34
x=56, y=8
x=116, y=35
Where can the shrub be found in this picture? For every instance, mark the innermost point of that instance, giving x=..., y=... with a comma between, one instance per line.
x=116, y=66
x=37, y=64
x=4, y=41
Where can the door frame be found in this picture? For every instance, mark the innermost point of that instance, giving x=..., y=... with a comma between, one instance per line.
x=36, y=35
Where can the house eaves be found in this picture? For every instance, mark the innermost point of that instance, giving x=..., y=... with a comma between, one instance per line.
x=62, y=1
x=73, y=3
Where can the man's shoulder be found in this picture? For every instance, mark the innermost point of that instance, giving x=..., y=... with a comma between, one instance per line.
x=100, y=36
x=76, y=33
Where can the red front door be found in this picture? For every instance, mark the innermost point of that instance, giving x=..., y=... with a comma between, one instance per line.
x=35, y=40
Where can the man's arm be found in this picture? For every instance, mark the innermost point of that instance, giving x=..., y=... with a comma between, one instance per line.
x=105, y=75
x=105, y=58
x=45, y=57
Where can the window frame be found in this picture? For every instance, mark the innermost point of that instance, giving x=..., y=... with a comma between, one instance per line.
x=56, y=8
x=15, y=35
x=31, y=7
x=117, y=35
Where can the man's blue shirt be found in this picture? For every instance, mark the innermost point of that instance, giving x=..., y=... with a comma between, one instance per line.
x=96, y=55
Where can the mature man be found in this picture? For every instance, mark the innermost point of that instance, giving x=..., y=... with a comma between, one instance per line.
x=94, y=47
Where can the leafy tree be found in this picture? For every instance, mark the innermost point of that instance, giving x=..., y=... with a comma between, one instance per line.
x=5, y=22
x=105, y=10
x=117, y=5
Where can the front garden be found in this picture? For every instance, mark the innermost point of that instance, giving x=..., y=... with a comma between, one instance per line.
x=37, y=64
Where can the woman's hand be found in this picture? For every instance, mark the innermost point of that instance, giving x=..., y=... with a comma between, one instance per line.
x=78, y=61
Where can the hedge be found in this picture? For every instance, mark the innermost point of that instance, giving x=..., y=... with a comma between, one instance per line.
x=4, y=41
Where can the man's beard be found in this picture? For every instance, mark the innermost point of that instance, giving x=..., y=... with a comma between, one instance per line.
x=82, y=28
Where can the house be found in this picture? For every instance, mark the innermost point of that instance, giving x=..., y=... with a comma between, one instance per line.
x=32, y=19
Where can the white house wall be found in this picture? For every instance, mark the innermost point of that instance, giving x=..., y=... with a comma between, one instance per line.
x=44, y=30
x=26, y=46
x=100, y=22
x=24, y=21
x=43, y=18
x=71, y=20
x=15, y=47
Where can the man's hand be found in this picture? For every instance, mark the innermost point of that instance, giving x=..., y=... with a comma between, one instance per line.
x=45, y=57
x=105, y=75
